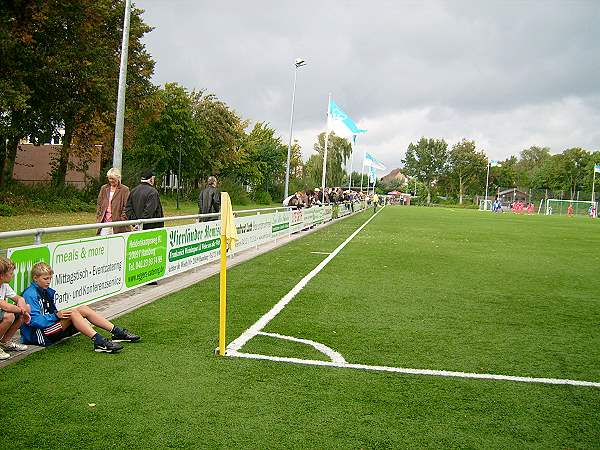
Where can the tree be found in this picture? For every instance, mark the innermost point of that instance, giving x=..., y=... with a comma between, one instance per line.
x=64, y=60
x=173, y=130
x=266, y=158
x=85, y=60
x=467, y=166
x=575, y=162
x=427, y=161
x=296, y=163
x=531, y=161
x=22, y=77
x=338, y=151
x=504, y=176
x=224, y=131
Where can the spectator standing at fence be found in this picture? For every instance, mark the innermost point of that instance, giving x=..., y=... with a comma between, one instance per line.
x=210, y=199
x=375, y=200
x=294, y=200
x=12, y=314
x=112, y=200
x=570, y=210
x=48, y=325
x=144, y=201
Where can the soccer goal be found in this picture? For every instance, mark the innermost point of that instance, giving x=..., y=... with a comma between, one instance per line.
x=485, y=205
x=555, y=206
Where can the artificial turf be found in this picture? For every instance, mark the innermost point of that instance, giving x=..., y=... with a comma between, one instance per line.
x=418, y=287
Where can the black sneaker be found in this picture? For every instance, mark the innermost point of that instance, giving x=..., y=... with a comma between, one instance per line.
x=107, y=346
x=124, y=336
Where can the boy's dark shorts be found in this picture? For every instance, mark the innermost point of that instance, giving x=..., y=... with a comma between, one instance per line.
x=61, y=334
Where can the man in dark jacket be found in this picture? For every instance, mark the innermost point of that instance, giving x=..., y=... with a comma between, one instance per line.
x=144, y=202
x=209, y=200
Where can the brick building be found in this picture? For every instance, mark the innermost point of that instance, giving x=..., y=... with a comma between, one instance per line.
x=33, y=165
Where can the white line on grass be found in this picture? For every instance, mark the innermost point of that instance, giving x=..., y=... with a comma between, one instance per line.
x=402, y=370
x=339, y=361
x=332, y=354
x=238, y=343
x=321, y=253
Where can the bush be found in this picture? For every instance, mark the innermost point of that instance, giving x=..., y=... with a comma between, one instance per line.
x=6, y=210
x=236, y=191
x=262, y=198
x=20, y=198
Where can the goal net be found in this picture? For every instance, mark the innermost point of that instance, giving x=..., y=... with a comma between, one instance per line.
x=555, y=206
x=485, y=205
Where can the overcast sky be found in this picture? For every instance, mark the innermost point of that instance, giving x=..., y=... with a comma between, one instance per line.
x=507, y=74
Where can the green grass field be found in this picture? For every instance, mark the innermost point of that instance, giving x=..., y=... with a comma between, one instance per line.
x=423, y=288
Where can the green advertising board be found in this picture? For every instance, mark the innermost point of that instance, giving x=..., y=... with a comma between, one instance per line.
x=24, y=260
x=145, y=257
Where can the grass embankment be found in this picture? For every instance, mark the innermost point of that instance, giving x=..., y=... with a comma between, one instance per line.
x=418, y=287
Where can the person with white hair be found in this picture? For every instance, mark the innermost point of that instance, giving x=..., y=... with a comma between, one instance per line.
x=112, y=200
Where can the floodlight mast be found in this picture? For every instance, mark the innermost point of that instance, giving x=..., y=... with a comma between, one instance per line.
x=118, y=143
x=299, y=62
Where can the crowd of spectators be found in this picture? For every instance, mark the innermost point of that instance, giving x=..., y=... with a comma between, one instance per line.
x=331, y=196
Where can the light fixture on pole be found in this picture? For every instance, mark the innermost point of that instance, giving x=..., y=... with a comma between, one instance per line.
x=299, y=62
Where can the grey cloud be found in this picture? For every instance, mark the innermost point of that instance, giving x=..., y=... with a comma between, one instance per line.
x=380, y=58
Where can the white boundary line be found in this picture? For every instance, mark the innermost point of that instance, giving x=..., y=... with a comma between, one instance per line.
x=238, y=343
x=339, y=361
x=406, y=371
x=328, y=351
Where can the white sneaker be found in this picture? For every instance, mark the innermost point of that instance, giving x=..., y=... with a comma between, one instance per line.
x=3, y=355
x=13, y=346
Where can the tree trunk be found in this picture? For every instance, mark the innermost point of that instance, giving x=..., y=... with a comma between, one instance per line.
x=10, y=155
x=3, y=142
x=460, y=190
x=59, y=172
x=428, y=195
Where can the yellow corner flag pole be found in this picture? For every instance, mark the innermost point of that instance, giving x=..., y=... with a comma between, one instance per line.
x=228, y=239
x=222, y=294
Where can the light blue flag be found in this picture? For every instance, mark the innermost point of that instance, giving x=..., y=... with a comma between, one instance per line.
x=340, y=122
x=596, y=168
x=372, y=174
x=371, y=161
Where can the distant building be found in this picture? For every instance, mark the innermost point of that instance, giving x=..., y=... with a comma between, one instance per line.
x=33, y=164
x=395, y=175
x=511, y=195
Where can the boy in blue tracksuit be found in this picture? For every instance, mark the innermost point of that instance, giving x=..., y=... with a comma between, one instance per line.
x=48, y=325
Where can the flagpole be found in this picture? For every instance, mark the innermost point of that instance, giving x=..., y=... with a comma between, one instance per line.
x=593, y=187
x=324, y=166
x=374, y=183
x=362, y=171
x=351, y=161
x=487, y=185
x=325, y=153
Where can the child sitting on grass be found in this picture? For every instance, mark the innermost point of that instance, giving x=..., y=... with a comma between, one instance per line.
x=48, y=325
x=13, y=314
